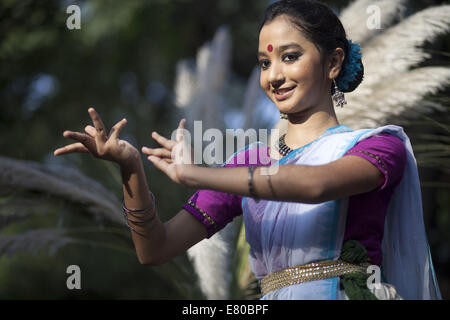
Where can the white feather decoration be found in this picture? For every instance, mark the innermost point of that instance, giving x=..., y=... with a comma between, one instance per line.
x=212, y=262
x=185, y=84
x=201, y=92
x=397, y=95
x=396, y=49
x=355, y=17
x=252, y=94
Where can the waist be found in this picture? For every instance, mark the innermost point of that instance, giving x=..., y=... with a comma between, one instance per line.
x=308, y=272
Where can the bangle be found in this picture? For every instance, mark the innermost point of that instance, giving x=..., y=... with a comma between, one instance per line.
x=131, y=228
x=136, y=212
x=270, y=185
x=251, y=188
x=139, y=222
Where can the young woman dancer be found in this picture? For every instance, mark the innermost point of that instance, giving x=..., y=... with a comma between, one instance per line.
x=338, y=200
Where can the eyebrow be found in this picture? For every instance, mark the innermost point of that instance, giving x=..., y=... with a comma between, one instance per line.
x=282, y=48
x=261, y=54
x=290, y=45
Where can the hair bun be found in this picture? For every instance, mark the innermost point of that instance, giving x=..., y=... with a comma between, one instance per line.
x=359, y=78
x=352, y=71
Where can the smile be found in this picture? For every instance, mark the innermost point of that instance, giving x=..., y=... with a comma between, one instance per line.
x=283, y=94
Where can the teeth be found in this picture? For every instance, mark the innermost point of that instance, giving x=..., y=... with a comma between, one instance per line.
x=283, y=90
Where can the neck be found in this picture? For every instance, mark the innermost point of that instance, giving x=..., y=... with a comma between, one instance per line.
x=308, y=125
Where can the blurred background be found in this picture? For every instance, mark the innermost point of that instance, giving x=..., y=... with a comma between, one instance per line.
x=124, y=61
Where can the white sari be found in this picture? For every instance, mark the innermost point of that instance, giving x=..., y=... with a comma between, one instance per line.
x=286, y=234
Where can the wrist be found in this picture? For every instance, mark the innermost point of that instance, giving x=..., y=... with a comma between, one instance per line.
x=190, y=177
x=132, y=162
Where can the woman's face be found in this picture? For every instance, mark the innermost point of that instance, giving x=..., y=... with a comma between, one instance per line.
x=291, y=69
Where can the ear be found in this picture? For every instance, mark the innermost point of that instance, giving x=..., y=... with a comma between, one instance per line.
x=334, y=63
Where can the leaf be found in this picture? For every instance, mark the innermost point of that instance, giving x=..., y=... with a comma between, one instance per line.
x=64, y=182
x=35, y=240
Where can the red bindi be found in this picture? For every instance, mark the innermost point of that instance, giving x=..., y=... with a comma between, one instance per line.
x=269, y=48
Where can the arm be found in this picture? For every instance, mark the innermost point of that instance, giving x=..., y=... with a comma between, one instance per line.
x=346, y=176
x=158, y=242
x=349, y=175
x=343, y=177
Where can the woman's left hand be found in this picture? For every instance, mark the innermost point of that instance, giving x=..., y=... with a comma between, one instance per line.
x=175, y=158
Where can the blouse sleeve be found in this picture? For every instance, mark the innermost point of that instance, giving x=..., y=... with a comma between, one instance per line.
x=216, y=209
x=385, y=151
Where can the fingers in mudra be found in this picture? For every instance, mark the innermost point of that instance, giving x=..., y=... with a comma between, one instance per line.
x=164, y=153
x=166, y=143
x=100, y=135
x=181, y=153
x=115, y=130
x=94, y=141
x=175, y=150
x=173, y=153
x=103, y=142
x=90, y=130
x=158, y=152
x=113, y=133
x=71, y=148
x=82, y=146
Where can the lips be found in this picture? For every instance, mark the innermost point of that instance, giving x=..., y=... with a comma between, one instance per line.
x=283, y=93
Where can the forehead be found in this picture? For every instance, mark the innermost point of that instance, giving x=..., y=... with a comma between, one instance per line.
x=281, y=31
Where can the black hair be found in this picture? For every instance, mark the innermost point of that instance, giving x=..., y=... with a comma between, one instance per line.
x=320, y=25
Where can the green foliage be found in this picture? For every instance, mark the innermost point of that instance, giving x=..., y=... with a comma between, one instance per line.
x=47, y=235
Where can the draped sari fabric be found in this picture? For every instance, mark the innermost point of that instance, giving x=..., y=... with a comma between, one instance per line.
x=286, y=234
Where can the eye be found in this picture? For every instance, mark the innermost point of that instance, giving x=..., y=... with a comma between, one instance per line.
x=291, y=57
x=264, y=64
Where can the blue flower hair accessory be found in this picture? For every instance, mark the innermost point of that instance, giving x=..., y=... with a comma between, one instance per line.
x=352, y=66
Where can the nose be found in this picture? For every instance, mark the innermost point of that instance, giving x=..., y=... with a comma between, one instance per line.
x=276, y=76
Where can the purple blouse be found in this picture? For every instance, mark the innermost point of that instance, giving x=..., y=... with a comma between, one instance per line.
x=366, y=212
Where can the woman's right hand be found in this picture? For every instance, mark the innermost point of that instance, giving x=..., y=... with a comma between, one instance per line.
x=95, y=142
